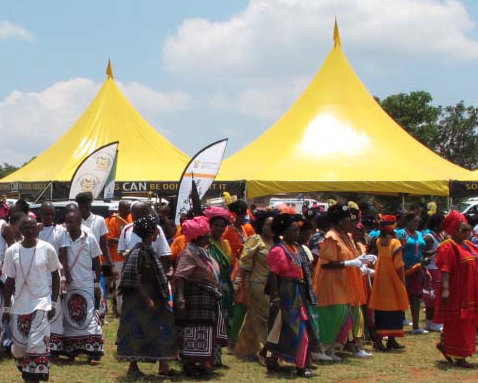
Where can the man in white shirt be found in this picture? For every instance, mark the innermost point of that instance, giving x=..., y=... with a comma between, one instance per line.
x=97, y=225
x=128, y=239
x=28, y=265
x=79, y=255
x=52, y=233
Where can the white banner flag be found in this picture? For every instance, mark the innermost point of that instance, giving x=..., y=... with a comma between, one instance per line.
x=203, y=169
x=92, y=174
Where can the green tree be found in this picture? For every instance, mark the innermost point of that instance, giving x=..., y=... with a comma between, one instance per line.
x=457, y=139
x=450, y=131
x=415, y=113
x=6, y=169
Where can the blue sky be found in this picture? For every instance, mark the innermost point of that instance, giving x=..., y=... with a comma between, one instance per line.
x=202, y=70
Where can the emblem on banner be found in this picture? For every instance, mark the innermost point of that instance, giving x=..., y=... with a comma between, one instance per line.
x=88, y=182
x=103, y=162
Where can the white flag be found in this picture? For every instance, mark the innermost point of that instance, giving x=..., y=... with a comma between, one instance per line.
x=92, y=174
x=203, y=169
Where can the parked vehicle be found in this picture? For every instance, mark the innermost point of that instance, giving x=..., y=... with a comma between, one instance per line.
x=297, y=203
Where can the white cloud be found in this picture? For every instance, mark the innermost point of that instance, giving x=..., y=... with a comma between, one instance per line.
x=9, y=30
x=152, y=101
x=31, y=121
x=278, y=36
x=267, y=102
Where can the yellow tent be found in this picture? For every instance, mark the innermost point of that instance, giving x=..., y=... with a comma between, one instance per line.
x=144, y=154
x=471, y=176
x=336, y=137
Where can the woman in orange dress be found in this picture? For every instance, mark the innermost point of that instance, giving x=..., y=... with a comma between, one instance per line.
x=338, y=284
x=389, y=297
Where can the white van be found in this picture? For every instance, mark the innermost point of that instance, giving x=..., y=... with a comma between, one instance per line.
x=469, y=207
x=296, y=203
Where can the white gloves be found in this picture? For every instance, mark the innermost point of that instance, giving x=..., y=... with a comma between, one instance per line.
x=365, y=270
x=364, y=259
x=354, y=263
x=367, y=259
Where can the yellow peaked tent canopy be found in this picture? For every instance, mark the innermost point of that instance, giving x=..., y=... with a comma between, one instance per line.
x=336, y=137
x=472, y=176
x=144, y=154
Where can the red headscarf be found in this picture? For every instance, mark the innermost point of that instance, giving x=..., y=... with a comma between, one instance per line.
x=196, y=227
x=452, y=222
x=216, y=211
x=388, y=223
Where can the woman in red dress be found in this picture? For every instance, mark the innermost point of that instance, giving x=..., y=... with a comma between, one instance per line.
x=457, y=302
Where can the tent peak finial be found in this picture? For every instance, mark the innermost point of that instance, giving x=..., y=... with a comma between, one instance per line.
x=337, y=42
x=109, y=70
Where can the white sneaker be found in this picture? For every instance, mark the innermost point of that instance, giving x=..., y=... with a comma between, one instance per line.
x=363, y=354
x=406, y=322
x=321, y=356
x=436, y=327
x=419, y=331
x=332, y=355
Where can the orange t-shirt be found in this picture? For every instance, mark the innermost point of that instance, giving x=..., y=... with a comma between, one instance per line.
x=115, y=224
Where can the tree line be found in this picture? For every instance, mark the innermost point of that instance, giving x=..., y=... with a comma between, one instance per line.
x=450, y=131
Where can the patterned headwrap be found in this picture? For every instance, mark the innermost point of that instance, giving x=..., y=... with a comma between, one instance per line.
x=145, y=226
x=195, y=227
x=282, y=222
x=338, y=212
x=217, y=212
x=452, y=222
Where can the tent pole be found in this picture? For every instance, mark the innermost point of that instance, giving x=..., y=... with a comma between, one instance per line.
x=449, y=201
x=403, y=201
x=43, y=192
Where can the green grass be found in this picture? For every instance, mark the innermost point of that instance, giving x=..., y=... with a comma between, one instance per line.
x=419, y=363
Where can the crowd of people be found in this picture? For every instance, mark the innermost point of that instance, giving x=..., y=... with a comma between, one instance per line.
x=269, y=285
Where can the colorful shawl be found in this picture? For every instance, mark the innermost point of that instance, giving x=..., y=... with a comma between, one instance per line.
x=131, y=277
x=216, y=250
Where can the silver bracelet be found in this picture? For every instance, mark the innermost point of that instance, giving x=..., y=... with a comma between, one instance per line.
x=53, y=304
x=6, y=310
x=97, y=284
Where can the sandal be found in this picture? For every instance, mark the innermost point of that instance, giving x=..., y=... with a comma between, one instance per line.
x=463, y=363
x=304, y=372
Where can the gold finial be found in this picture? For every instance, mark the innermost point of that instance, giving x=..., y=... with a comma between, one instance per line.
x=109, y=70
x=337, y=42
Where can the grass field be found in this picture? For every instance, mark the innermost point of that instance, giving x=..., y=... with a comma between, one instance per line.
x=420, y=362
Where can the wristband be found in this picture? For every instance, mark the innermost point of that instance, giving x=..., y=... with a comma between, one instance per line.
x=97, y=284
x=6, y=310
x=63, y=278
